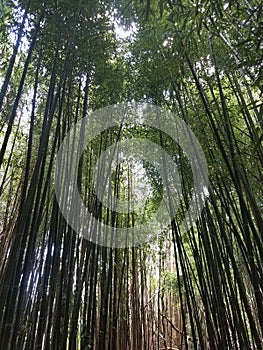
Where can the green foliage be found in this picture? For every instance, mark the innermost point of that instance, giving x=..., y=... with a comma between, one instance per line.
x=202, y=61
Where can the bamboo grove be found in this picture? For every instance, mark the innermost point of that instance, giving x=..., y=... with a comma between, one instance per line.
x=200, y=289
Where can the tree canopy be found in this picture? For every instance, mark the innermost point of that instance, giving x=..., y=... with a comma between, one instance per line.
x=62, y=61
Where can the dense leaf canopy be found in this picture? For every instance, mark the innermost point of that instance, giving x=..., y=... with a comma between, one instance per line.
x=199, y=289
